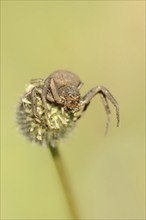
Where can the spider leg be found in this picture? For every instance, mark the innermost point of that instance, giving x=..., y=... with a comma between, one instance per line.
x=55, y=92
x=49, y=98
x=34, y=93
x=45, y=92
x=83, y=110
x=37, y=81
x=45, y=95
x=108, y=112
x=105, y=95
x=26, y=95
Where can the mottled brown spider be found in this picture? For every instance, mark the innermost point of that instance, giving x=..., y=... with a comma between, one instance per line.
x=62, y=87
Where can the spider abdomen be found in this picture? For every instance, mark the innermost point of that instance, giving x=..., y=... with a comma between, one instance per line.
x=64, y=77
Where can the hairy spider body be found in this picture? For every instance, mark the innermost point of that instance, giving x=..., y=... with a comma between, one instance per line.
x=50, y=107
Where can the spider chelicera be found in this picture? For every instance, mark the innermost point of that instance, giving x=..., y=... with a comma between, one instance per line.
x=62, y=88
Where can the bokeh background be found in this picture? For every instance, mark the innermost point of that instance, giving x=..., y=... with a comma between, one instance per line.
x=103, y=42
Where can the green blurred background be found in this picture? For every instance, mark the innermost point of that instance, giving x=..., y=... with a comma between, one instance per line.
x=103, y=42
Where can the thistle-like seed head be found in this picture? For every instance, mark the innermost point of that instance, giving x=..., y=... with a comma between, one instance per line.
x=36, y=128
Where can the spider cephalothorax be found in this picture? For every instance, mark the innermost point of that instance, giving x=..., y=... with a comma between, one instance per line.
x=49, y=107
x=70, y=97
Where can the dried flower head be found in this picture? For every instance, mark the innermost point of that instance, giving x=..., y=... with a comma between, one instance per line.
x=36, y=128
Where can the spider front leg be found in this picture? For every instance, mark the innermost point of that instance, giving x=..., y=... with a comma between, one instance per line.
x=34, y=92
x=105, y=94
x=51, y=97
x=55, y=92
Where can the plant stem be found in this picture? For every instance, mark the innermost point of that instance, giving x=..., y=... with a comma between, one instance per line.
x=64, y=180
